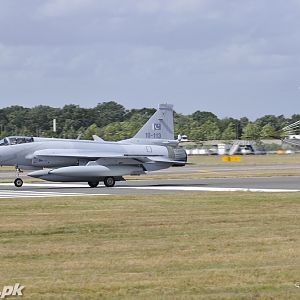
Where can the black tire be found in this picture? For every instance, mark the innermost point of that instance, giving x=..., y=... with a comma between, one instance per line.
x=18, y=182
x=93, y=184
x=109, y=181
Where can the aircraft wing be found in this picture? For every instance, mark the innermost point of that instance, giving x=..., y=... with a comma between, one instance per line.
x=75, y=153
x=94, y=155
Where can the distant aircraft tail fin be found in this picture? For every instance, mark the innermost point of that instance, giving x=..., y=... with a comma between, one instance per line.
x=159, y=126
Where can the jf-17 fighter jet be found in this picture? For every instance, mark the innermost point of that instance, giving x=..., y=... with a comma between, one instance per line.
x=65, y=160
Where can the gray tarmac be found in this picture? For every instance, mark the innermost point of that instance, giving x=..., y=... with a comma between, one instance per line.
x=154, y=186
x=131, y=187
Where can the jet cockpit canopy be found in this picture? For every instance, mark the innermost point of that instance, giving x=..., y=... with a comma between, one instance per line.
x=14, y=140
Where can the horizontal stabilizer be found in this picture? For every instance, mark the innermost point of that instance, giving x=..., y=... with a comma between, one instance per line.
x=166, y=160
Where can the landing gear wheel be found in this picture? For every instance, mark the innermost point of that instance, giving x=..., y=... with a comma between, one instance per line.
x=93, y=184
x=109, y=181
x=18, y=182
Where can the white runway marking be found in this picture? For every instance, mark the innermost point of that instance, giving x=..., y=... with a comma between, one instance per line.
x=210, y=189
x=22, y=193
x=49, y=185
x=34, y=194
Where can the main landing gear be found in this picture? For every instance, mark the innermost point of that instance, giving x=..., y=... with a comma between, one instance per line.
x=18, y=181
x=108, y=181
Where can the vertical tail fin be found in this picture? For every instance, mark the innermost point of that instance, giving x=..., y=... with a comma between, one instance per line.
x=159, y=126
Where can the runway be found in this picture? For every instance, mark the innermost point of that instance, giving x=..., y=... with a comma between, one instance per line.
x=276, y=184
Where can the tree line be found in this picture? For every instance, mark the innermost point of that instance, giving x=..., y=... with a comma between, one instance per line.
x=111, y=121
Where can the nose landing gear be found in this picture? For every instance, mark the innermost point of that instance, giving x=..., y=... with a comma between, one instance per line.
x=18, y=181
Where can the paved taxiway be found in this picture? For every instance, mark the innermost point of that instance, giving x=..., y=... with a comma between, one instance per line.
x=252, y=184
x=149, y=186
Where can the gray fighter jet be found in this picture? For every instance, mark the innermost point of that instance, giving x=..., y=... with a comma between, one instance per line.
x=64, y=160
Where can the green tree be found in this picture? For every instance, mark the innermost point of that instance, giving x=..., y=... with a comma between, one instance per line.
x=3, y=123
x=210, y=130
x=278, y=122
x=244, y=121
x=73, y=120
x=114, y=132
x=40, y=120
x=230, y=132
x=251, y=132
x=195, y=132
x=108, y=112
x=224, y=123
x=17, y=117
x=203, y=116
x=90, y=131
x=74, y=116
x=268, y=131
x=143, y=114
x=185, y=125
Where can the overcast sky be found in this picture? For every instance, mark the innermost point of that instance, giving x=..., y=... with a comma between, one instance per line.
x=232, y=57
